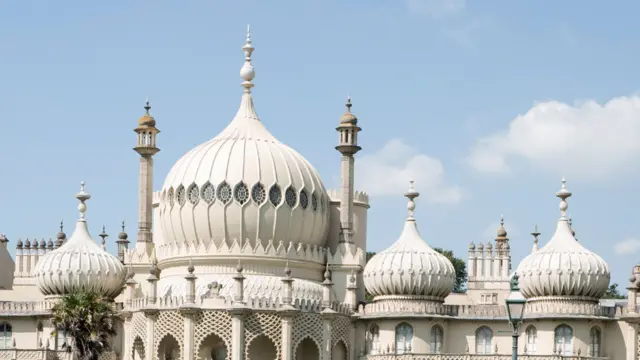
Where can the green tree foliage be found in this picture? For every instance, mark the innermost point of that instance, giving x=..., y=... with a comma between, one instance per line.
x=88, y=322
x=613, y=292
x=458, y=264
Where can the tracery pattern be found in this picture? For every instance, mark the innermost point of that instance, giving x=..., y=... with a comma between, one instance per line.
x=139, y=326
x=341, y=330
x=213, y=322
x=307, y=325
x=208, y=193
x=193, y=194
x=262, y=323
x=169, y=323
x=138, y=348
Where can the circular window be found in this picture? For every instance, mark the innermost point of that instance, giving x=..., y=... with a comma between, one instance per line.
x=208, y=193
x=181, y=195
x=314, y=202
x=290, y=196
x=275, y=195
x=224, y=192
x=193, y=194
x=170, y=196
x=241, y=193
x=258, y=193
x=304, y=199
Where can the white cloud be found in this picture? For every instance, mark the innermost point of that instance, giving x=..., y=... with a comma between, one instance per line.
x=387, y=172
x=436, y=7
x=585, y=140
x=627, y=247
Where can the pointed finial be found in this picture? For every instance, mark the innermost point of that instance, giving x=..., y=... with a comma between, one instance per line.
x=247, y=73
x=191, y=268
x=103, y=235
x=348, y=104
x=239, y=268
x=82, y=196
x=123, y=226
x=62, y=225
x=411, y=194
x=535, y=233
x=563, y=194
x=501, y=219
x=287, y=269
x=147, y=105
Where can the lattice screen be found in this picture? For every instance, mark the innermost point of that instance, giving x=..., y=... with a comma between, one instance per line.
x=213, y=322
x=307, y=325
x=168, y=323
x=138, y=348
x=139, y=326
x=341, y=330
x=262, y=323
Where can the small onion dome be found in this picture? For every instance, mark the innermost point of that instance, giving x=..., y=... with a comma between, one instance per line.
x=19, y=244
x=79, y=264
x=563, y=267
x=147, y=120
x=348, y=117
x=409, y=267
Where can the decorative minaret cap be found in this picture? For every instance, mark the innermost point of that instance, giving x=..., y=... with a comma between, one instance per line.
x=79, y=264
x=348, y=118
x=123, y=235
x=103, y=235
x=502, y=232
x=147, y=121
x=61, y=237
x=535, y=233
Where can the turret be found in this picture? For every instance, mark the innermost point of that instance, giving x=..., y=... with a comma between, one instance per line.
x=348, y=147
x=146, y=148
x=123, y=243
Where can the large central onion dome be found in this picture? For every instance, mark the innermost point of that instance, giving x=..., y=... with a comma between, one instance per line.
x=79, y=264
x=563, y=267
x=409, y=267
x=244, y=184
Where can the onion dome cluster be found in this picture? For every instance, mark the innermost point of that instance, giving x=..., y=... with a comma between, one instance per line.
x=410, y=267
x=563, y=267
x=79, y=264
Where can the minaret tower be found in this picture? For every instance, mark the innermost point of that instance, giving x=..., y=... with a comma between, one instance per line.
x=348, y=147
x=146, y=147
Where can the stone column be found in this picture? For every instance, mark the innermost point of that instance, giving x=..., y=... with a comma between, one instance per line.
x=287, y=314
x=189, y=314
x=237, y=332
x=327, y=329
x=126, y=334
x=150, y=348
x=145, y=199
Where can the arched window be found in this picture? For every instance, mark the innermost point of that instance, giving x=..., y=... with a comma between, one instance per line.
x=404, y=336
x=373, y=340
x=532, y=337
x=484, y=339
x=5, y=336
x=39, y=342
x=594, y=342
x=61, y=340
x=437, y=334
x=564, y=340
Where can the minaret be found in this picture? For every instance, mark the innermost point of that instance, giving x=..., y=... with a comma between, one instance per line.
x=146, y=147
x=103, y=235
x=348, y=147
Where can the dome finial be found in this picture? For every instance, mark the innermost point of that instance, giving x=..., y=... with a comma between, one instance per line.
x=147, y=105
x=82, y=196
x=103, y=235
x=411, y=194
x=247, y=73
x=563, y=194
x=535, y=233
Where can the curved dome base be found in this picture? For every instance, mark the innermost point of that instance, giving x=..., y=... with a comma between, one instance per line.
x=422, y=298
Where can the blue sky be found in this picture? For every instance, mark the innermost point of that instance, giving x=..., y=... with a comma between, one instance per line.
x=485, y=104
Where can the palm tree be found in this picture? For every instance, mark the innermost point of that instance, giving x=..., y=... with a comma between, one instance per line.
x=88, y=322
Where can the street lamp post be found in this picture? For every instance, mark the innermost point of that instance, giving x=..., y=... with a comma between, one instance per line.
x=515, y=311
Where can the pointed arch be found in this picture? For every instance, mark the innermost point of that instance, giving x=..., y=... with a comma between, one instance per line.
x=563, y=343
x=339, y=351
x=531, y=339
x=169, y=348
x=213, y=347
x=372, y=341
x=307, y=349
x=404, y=338
x=595, y=341
x=137, y=350
x=484, y=340
x=436, y=339
x=262, y=347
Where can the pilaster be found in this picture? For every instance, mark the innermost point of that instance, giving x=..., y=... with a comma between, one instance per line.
x=287, y=314
x=152, y=316
x=238, y=315
x=126, y=317
x=327, y=329
x=189, y=314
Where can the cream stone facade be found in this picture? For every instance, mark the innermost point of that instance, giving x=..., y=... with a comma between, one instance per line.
x=244, y=254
